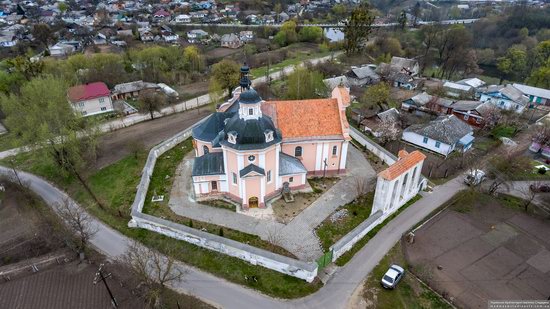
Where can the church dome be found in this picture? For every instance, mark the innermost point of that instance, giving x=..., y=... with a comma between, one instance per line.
x=249, y=96
x=250, y=131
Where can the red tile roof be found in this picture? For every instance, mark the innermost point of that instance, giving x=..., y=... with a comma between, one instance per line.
x=305, y=118
x=88, y=92
x=405, y=162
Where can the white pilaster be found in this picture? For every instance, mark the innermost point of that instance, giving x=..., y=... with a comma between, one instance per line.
x=344, y=155
x=276, y=171
x=318, y=156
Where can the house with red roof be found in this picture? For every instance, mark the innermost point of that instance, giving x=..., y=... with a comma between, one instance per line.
x=90, y=99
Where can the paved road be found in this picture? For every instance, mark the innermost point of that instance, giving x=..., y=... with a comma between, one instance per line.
x=331, y=25
x=335, y=294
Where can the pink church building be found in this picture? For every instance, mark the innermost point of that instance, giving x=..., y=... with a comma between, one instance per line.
x=248, y=152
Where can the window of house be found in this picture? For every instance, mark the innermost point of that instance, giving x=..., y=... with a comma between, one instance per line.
x=234, y=178
x=81, y=104
x=466, y=116
x=101, y=100
x=84, y=113
x=291, y=179
x=425, y=140
x=437, y=144
x=251, y=111
x=298, y=151
x=334, y=150
x=104, y=108
x=268, y=176
x=205, y=149
x=478, y=120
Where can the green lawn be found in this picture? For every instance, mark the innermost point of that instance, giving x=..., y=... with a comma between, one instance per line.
x=6, y=141
x=533, y=174
x=115, y=185
x=329, y=233
x=346, y=257
x=410, y=293
x=261, y=71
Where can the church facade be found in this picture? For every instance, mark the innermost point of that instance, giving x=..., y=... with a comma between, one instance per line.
x=249, y=150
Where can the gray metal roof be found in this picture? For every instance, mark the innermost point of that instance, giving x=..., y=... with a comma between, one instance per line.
x=208, y=130
x=251, y=168
x=209, y=164
x=529, y=90
x=289, y=165
x=514, y=94
x=466, y=105
x=364, y=72
x=446, y=129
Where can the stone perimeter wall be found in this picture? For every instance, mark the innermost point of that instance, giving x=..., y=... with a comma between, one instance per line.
x=373, y=147
x=253, y=255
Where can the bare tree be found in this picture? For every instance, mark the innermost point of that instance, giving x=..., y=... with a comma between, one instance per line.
x=78, y=222
x=491, y=115
x=529, y=193
x=388, y=130
x=503, y=168
x=153, y=269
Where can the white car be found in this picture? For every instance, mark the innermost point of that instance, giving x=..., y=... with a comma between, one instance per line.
x=474, y=178
x=392, y=276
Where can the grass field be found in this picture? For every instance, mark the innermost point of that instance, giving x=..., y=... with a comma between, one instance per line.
x=299, y=58
x=115, y=185
x=410, y=293
x=329, y=232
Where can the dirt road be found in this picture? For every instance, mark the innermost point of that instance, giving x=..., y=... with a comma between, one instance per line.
x=118, y=144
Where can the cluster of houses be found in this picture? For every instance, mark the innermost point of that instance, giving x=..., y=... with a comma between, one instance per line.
x=455, y=113
x=230, y=40
x=96, y=98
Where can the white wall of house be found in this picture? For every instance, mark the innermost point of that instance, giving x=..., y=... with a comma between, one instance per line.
x=428, y=143
x=94, y=106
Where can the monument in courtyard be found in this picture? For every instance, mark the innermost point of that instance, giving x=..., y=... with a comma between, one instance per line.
x=246, y=150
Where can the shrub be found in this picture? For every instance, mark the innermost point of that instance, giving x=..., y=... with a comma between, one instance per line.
x=542, y=171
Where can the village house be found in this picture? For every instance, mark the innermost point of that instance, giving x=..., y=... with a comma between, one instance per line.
x=507, y=98
x=458, y=90
x=230, y=41
x=405, y=65
x=364, y=75
x=471, y=112
x=161, y=16
x=132, y=89
x=182, y=19
x=90, y=99
x=246, y=36
x=473, y=82
x=255, y=148
x=334, y=82
x=536, y=95
x=61, y=50
x=197, y=36
x=442, y=135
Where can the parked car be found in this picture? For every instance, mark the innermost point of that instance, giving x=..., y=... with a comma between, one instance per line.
x=474, y=178
x=539, y=188
x=392, y=276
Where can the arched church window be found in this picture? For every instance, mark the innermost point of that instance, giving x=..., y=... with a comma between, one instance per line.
x=298, y=151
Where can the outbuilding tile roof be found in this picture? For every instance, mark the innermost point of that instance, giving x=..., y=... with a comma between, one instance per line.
x=88, y=92
x=306, y=118
x=405, y=162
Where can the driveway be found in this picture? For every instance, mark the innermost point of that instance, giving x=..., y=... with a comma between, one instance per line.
x=298, y=236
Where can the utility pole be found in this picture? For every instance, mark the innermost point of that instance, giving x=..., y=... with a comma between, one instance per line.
x=100, y=276
x=267, y=73
x=12, y=164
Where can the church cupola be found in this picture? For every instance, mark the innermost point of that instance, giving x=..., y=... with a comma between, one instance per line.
x=250, y=105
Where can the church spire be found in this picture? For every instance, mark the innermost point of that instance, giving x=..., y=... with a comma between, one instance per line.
x=245, y=80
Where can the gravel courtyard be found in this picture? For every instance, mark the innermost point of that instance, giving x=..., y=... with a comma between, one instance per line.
x=480, y=251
